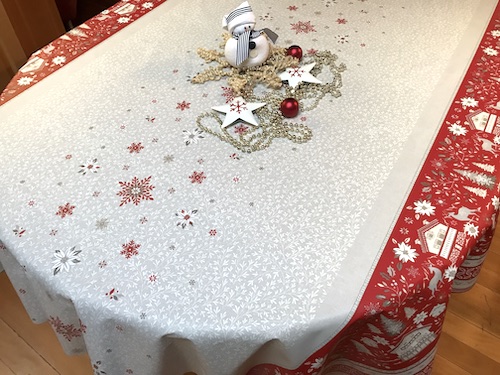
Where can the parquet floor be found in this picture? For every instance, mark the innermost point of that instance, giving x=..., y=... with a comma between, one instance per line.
x=469, y=344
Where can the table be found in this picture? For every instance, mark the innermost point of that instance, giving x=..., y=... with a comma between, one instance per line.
x=157, y=247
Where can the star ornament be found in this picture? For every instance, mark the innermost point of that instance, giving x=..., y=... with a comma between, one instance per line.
x=238, y=109
x=297, y=74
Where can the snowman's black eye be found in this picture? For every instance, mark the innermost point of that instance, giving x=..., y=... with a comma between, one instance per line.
x=252, y=45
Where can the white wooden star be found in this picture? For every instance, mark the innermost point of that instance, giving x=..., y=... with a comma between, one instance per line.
x=297, y=74
x=238, y=109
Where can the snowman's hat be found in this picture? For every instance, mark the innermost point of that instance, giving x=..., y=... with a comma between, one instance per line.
x=241, y=15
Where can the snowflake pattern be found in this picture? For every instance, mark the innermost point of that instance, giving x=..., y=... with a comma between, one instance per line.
x=65, y=210
x=303, y=27
x=130, y=249
x=136, y=191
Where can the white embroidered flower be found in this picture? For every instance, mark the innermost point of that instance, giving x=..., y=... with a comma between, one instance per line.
x=424, y=208
x=471, y=230
x=64, y=260
x=457, y=129
x=495, y=201
x=59, y=60
x=192, y=137
x=147, y=5
x=438, y=310
x=495, y=33
x=469, y=102
x=420, y=317
x=450, y=273
x=318, y=363
x=490, y=51
x=405, y=252
x=124, y=20
x=24, y=81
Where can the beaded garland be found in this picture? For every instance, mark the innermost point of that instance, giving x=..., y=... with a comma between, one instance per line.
x=272, y=123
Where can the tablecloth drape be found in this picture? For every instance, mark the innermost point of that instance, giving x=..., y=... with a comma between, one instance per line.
x=154, y=246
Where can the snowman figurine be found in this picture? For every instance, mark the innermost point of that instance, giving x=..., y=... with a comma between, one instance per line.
x=247, y=47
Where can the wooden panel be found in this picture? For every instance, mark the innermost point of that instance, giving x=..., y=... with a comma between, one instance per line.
x=4, y=370
x=18, y=356
x=12, y=55
x=489, y=276
x=40, y=337
x=442, y=366
x=480, y=306
x=36, y=22
x=472, y=336
x=465, y=357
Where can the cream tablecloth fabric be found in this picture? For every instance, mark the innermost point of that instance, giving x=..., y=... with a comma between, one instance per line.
x=152, y=244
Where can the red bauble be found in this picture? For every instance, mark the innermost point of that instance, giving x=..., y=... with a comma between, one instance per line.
x=294, y=51
x=289, y=107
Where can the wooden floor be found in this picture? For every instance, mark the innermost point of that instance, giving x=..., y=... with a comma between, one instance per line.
x=469, y=344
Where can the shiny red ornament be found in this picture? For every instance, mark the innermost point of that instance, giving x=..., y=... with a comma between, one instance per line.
x=289, y=107
x=294, y=51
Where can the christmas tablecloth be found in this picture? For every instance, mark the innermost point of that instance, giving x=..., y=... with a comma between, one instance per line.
x=158, y=247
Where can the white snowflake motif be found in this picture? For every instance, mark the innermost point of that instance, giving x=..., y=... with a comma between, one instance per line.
x=424, y=207
x=64, y=260
x=490, y=51
x=405, y=252
x=420, y=317
x=124, y=20
x=496, y=140
x=24, y=81
x=450, y=273
x=372, y=309
x=469, y=102
x=59, y=60
x=192, y=137
x=471, y=230
x=457, y=129
x=185, y=218
x=495, y=201
x=147, y=5
x=316, y=365
x=89, y=167
x=438, y=310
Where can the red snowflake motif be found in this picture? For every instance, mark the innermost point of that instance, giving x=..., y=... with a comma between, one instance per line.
x=228, y=94
x=150, y=119
x=136, y=190
x=69, y=156
x=238, y=106
x=135, y=147
x=296, y=72
x=143, y=220
x=153, y=278
x=312, y=51
x=341, y=21
x=53, y=232
x=96, y=194
x=66, y=210
x=292, y=7
x=102, y=264
x=303, y=118
x=22, y=291
x=183, y=105
x=240, y=129
x=68, y=331
x=303, y=27
x=234, y=156
x=197, y=177
x=129, y=249
x=212, y=232
x=31, y=203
